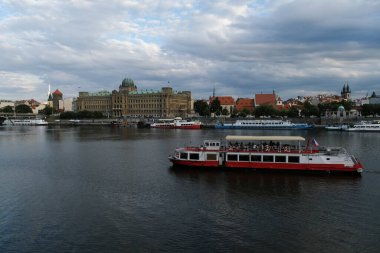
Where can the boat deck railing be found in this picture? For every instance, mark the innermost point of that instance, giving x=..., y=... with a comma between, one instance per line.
x=257, y=148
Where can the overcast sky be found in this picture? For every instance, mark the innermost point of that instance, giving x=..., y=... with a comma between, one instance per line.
x=239, y=47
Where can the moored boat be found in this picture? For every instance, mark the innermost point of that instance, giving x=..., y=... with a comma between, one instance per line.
x=176, y=123
x=263, y=124
x=365, y=126
x=267, y=153
x=337, y=127
x=25, y=122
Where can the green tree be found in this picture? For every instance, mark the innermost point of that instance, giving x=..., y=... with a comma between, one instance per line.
x=215, y=106
x=46, y=111
x=202, y=108
x=265, y=110
x=310, y=110
x=244, y=113
x=370, y=109
x=68, y=115
x=23, y=109
x=7, y=109
x=293, y=112
x=234, y=112
x=225, y=112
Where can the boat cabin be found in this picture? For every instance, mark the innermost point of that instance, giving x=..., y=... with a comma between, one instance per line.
x=211, y=145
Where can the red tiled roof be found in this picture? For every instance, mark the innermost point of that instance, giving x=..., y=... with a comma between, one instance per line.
x=224, y=100
x=57, y=92
x=245, y=103
x=265, y=99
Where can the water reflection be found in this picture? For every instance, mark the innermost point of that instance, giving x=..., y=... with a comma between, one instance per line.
x=278, y=183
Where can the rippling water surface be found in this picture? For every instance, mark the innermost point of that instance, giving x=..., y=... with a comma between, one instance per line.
x=113, y=190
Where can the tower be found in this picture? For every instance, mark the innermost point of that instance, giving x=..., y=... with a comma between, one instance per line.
x=346, y=91
x=57, y=99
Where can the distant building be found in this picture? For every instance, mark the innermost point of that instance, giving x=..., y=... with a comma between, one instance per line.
x=129, y=101
x=245, y=103
x=265, y=99
x=57, y=98
x=226, y=102
x=374, y=99
x=68, y=105
x=4, y=103
x=98, y=101
x=346, y=92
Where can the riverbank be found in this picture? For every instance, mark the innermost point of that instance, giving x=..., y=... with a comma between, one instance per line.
x=207, y=122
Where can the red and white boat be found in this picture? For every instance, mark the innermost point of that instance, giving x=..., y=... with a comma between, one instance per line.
x=267, y=153
x=176, y=123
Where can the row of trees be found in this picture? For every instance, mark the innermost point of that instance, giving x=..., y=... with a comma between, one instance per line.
x=49, y=111
x=307, y=109
x=370, y=110
x=19, y=109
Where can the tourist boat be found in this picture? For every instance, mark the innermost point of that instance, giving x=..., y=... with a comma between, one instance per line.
x=337, y=127
x=176, y=123
x=365, y=126
x=25, y=122
x=263, y=124
x=267, y=153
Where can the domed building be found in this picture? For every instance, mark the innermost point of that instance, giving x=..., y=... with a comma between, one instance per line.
x=127, y=85
x=128, y=101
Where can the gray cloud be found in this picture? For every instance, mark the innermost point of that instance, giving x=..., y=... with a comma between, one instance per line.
x=239, y=47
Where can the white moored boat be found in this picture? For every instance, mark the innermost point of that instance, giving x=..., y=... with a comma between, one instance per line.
x=177, y=123
x=25, y=122
x=263, y=124
x=337, y=127
x=267, y=153
x=364, y=126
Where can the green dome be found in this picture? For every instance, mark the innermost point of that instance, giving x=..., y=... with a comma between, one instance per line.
x=128, y=82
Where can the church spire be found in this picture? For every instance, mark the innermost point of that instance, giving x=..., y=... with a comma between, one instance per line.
x=50, y=98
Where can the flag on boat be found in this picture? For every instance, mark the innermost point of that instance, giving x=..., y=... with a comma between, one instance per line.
x=315, y=142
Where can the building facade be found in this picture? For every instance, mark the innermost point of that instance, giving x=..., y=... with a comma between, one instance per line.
x=128, y=101
x=98, y=101
x=374, y=99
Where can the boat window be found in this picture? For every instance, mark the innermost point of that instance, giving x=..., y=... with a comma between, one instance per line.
x=231, y=157
x=194, y=156
x=244, y=158
x=211, y=157
x=293, y=159
x=267, y=158
x=280, y=159
x=183, y=156
x=255, y=158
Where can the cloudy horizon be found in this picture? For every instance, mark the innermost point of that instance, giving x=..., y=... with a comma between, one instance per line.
x=295, y=47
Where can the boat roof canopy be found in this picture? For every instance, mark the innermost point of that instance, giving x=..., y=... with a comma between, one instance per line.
x=263, y=138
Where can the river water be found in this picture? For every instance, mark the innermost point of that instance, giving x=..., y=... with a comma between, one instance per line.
x=102, y=189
